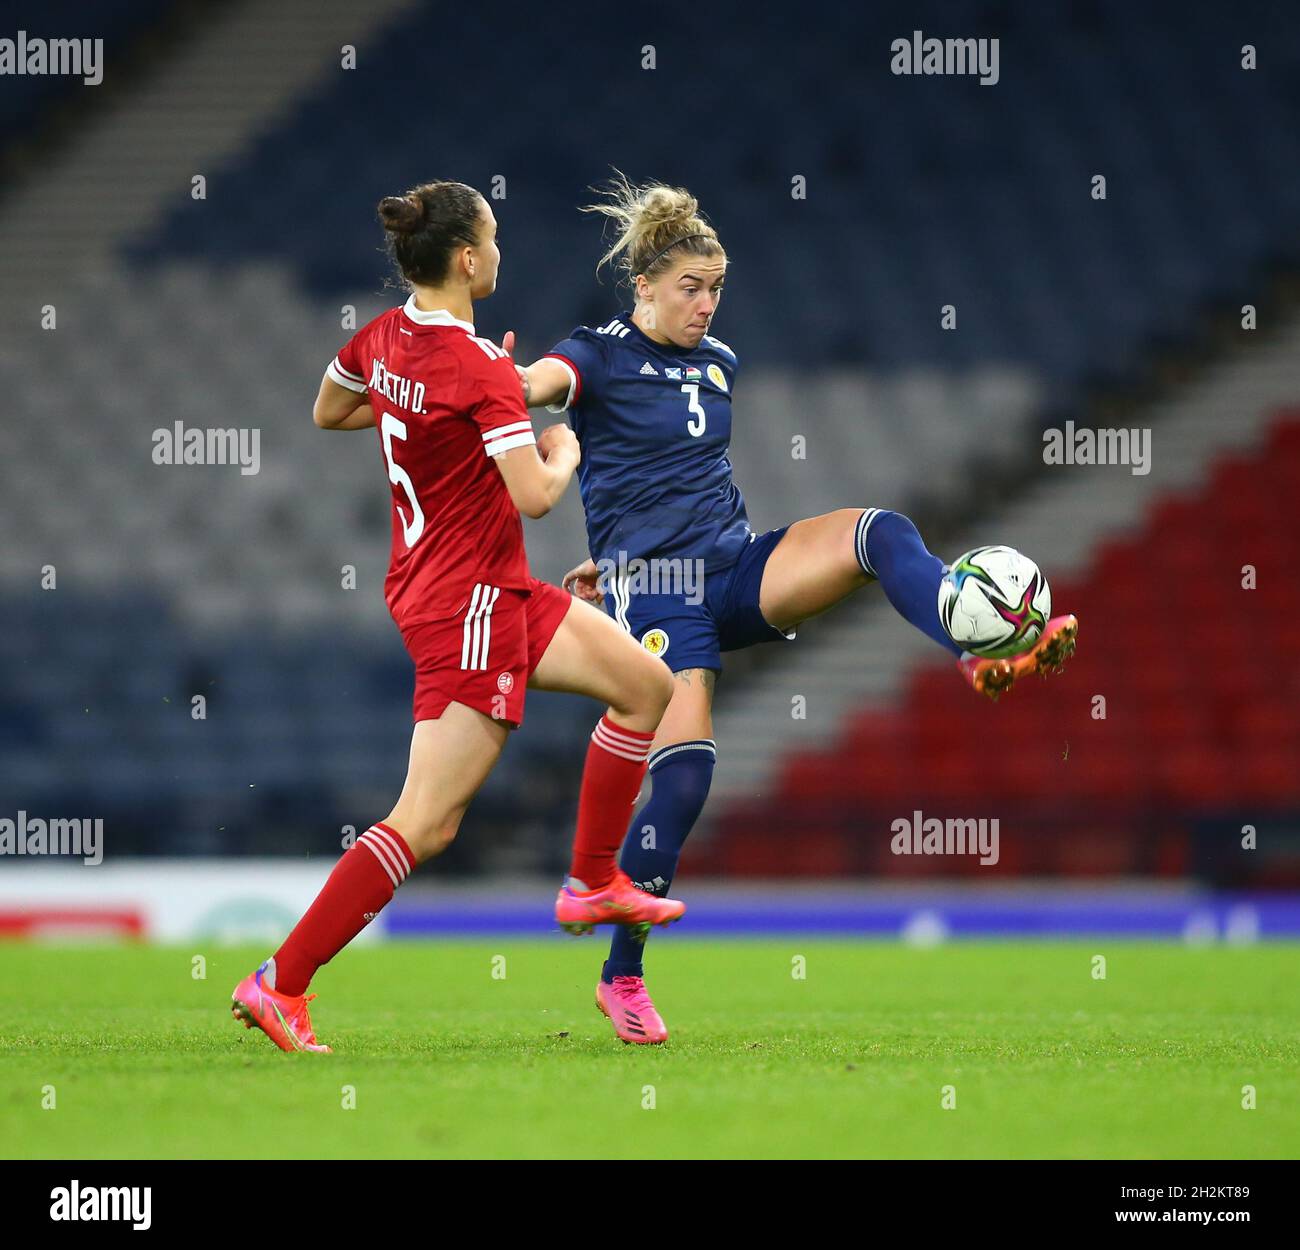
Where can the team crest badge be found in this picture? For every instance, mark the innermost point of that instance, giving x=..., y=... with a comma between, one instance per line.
x=655, y=641
x=506, y=683
x=717, y=377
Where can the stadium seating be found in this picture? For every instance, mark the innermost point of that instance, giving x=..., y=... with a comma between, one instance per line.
x=1198, y=722
x=971, y=196
x=26, y=99
x=989, y=200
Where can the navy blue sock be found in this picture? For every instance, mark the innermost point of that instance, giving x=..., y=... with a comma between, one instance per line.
x=890, y=550
x=680, y=776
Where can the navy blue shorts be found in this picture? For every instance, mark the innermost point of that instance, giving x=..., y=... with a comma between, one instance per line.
x=690, y=626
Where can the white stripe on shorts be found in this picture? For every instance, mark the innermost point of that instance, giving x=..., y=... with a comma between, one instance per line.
x=470, y=617
x=476, y=635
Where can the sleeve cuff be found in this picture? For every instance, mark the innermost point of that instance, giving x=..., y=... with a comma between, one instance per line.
x=508, y=437
x=344, y=377
x=575, y=384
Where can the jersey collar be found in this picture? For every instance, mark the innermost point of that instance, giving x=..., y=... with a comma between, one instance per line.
x=437, y=317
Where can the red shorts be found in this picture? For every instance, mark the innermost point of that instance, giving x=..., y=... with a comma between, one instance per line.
x=484, y=656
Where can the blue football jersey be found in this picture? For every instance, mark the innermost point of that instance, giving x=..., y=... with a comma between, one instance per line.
x=654, y=424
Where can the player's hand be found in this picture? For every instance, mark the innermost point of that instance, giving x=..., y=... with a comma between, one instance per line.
x=508, y=346
x=559, y=439
x=582, y=582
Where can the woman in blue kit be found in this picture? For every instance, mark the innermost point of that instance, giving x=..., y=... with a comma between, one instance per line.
x=649, y=397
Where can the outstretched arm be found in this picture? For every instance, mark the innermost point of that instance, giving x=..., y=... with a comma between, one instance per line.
x=544, y=382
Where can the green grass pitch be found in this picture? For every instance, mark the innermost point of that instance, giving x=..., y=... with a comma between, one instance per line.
x=445, y=1060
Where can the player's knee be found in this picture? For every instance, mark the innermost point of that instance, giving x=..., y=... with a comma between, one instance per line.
x=646, y=688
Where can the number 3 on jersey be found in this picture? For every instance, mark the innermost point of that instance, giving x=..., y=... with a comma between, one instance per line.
x=391, y=428
x=693, y=390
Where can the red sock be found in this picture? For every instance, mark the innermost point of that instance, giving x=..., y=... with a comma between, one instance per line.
x=616, y=764
x=358, y=889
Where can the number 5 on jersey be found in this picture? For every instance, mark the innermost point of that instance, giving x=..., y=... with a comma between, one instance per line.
x=391, y=428
x=693, y=390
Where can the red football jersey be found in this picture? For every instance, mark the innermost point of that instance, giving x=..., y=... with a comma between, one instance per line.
x=445, y=403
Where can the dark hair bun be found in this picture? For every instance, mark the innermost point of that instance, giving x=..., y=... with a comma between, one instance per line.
x=424, y=226
x=401, y=214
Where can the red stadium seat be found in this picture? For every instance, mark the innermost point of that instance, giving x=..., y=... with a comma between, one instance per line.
x=1198, y=720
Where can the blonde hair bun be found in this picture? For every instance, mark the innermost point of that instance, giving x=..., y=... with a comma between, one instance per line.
x=651, y=220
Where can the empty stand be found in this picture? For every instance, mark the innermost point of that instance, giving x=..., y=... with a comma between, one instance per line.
x=1199, y=719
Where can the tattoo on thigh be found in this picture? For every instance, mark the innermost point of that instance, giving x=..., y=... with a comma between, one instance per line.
x=706, y=677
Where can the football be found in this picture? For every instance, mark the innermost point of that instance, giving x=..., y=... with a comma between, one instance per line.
x=994, y=601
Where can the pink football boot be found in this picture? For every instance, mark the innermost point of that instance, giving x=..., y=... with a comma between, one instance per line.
x=620, y=902
x=1054, y=646
x=282, y=1017
x=630, y=1010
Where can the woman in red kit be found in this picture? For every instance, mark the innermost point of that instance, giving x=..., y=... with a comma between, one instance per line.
x=463, y=463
